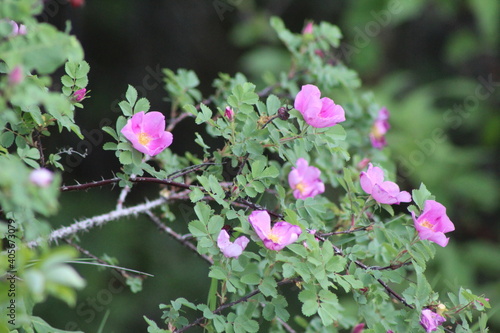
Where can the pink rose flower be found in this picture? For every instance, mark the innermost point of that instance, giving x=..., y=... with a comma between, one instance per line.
x=277, y=237
x=430, y=320
x=304, y=180
x=229, y=249
x=433, y=223
x=384, y=192
x=229, y=113
x=79, y=95
x=41, y=177
x=379, y=129
x=318, y=112
x=146, y=132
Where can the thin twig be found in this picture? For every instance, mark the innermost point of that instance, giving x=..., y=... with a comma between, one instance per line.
x=350, y=231
x=99, y=183
x=180, y=238
x=96, y=258
x=380, y=281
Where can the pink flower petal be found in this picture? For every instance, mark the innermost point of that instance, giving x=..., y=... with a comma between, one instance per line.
x=261, y=222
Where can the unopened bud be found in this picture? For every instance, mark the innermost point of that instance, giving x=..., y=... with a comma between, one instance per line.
x=16, y=75
x=440, y=309
x=79, y=95
x=229, y=113
x=283, y=113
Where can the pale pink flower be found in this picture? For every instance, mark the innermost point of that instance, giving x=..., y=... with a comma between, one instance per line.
x=146, y=132
x=379, y=129
x=384, y=192
x=318, y=112
x=277, y=237
x=41, y=177
x=230, y=249
x=79, y=95
x=305, y=181
x=430, y=320
x=17, y=29
x=433, y=223
x=229, y=113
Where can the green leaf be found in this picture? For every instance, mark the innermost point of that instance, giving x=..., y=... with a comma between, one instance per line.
x=251, y=279
x=43, y=49
x=153, y=327
x=421, y=195
x=125, y=157
x=309, y=301
x=82, y=69
x=134, y=283
x=126, y=108
x=67, y=81
x=6, y=139
x=142, y=105
x=109, y=146
x=131, y=95
x=257, y=167
x=196, y=194
x=268, y=287
x=41, y=326
x=203, y=211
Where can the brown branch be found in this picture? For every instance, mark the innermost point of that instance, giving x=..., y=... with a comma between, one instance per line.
x=99, y=183
x=380, y=281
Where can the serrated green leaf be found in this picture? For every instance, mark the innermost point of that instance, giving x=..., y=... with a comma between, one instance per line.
x=67, y=81
x=126, y=108
x=196, y=194
x=142, y=105
x=131, y=95
x=125, y=157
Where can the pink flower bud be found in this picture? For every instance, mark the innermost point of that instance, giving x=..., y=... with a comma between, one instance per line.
x=16, y=75
x=308, y=29
x=79, y=95
x=41, y=177
x=229, y=113
x=363, y=163
x=359, y=328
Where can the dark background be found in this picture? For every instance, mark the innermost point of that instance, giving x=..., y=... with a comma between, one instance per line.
x=421, y=59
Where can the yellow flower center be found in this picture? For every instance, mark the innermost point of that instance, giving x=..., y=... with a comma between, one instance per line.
x=301, y=187
x=274, y=238
x=376, y=132
x=427, y=224
x=144, y=139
